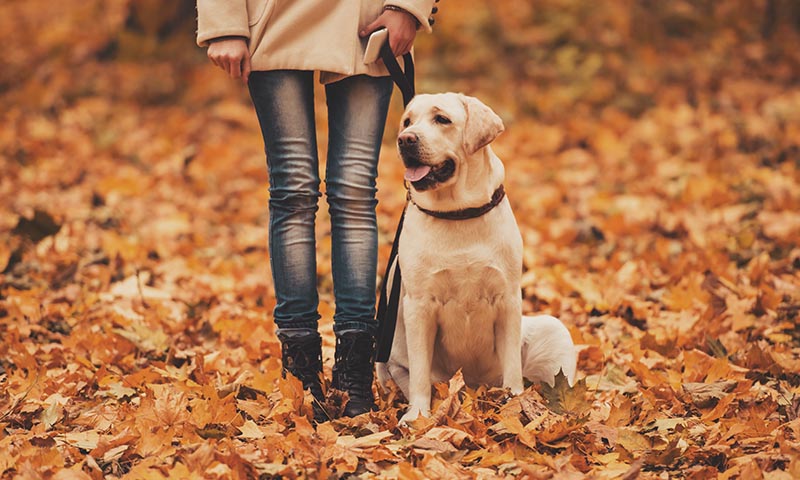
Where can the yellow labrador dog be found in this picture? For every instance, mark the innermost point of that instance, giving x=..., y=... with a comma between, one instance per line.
x=460, y=253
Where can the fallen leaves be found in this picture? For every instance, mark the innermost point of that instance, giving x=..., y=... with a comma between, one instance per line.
x=565, y=399
x=706, y=395
x=652, y=162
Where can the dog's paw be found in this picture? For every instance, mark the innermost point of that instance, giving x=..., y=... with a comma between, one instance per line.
x=412, y=414
x=515, y=387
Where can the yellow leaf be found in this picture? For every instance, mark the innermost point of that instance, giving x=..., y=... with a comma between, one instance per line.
x=84, y=440
x=250, y=430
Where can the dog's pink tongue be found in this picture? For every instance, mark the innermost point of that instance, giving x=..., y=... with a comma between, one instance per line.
x=416, y=173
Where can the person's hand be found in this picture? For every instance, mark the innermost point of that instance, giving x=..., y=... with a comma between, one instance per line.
x=232, y=55
x=402, y=28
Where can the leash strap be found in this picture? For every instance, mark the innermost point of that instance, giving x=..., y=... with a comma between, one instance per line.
x=403, y=80
x=389, y=301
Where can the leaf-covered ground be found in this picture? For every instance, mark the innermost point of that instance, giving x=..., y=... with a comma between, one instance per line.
x=653, y=161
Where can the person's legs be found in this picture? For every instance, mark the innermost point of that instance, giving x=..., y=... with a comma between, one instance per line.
x=357, y=108
x=284, y=103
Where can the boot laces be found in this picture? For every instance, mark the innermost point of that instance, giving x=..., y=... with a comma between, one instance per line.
x=303, y=359
x=354, y=364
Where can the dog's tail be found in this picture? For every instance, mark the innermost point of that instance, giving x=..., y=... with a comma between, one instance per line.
x=547, y=348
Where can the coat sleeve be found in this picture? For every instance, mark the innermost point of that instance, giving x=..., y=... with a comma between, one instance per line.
x=221, y=18
x=421, y=9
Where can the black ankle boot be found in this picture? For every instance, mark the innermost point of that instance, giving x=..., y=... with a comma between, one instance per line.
x=353, y=370
x=301, y=355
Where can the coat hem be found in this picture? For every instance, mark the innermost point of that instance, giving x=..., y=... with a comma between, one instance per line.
x=329, y=73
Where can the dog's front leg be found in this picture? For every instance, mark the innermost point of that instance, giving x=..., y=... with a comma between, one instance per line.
x=509, y=346
x=420, y=324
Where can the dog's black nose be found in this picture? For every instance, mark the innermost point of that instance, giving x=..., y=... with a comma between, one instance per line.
x=406, y=139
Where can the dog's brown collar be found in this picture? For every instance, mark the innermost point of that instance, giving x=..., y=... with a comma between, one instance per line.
x=465, y=213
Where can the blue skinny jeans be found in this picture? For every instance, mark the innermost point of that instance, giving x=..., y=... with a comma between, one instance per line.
x=357, y=108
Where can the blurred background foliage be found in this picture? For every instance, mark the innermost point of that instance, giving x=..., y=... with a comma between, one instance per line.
x=538, y=58
x=542, y=57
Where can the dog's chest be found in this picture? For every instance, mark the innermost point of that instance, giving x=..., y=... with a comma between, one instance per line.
x=464, y=277
x=465, y=303
x=468, y=286
x=459, y=271
x=468, y=302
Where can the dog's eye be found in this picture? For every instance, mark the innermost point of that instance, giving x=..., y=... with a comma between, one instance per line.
x=406, y=122
x=441, y=120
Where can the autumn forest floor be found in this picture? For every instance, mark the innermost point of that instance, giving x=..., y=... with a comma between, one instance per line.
x=652, y=152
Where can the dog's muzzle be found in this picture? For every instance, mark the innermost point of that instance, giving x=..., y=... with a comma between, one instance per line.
x=408, y=143
x=421, y=175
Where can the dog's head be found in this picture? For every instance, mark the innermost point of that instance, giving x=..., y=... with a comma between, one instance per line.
x=440, y=133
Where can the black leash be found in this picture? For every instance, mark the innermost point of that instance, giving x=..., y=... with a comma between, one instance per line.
x=403, y=80
x=389, y=301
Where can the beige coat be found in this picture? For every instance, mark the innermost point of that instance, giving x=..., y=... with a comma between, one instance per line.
x=317, y=35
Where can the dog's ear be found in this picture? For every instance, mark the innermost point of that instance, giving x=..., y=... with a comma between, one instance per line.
x=482, y=125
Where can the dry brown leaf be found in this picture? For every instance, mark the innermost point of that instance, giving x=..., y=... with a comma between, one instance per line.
x=705, y=395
